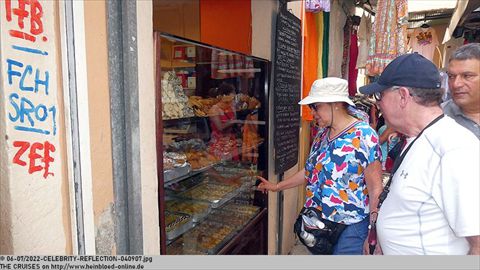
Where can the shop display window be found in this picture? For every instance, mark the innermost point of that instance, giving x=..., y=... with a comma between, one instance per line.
x=214, y=106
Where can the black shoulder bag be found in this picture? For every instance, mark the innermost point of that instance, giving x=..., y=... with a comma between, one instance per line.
x=320, y=240
x=372, y=235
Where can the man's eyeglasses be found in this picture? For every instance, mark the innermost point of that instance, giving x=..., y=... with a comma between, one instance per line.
x=378, y=95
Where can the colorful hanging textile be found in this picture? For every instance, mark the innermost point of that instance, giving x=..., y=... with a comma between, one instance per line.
x=319, y=24
x=317, y=5
x=389, y=36
x=310, y=59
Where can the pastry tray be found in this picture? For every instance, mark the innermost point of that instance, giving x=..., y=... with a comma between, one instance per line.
x=208, y=237
x=177, y=247
x=177, y=224
x=198, y=210
x=176, y=172
x=216, y=194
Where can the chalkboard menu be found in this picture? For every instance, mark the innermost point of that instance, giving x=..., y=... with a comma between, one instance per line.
x=286, y=89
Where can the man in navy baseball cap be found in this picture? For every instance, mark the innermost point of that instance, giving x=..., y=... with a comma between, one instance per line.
x=412, y=70
x=424, y=211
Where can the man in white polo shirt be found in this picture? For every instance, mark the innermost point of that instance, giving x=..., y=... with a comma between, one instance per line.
x=433, y=205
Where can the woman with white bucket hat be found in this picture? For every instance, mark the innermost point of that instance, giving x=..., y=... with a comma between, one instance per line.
x=343, y=170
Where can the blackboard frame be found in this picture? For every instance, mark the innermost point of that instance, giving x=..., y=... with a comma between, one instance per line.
x=286, y=89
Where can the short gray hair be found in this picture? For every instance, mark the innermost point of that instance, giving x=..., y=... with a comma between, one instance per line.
x=465, y=52
x=427, y=97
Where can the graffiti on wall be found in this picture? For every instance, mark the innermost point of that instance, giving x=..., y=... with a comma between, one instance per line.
x=31, y=106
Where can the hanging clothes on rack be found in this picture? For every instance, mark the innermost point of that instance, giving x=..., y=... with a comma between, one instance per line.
x=310, y=59
x=347, y=29
x=317, y=5
x=389, y=37
x=352, y=59
x=364, y=32
x=337, y=19
x=424, y=40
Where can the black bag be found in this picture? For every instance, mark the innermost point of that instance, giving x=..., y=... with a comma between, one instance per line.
x=318, y=241
x=395, y=151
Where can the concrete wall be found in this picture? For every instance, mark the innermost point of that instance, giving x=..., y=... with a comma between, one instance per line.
x=34, y=201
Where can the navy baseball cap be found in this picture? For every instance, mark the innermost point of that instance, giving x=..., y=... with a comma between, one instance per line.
x=411, y=70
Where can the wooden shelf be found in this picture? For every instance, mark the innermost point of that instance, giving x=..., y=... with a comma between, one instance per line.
x=176, y=64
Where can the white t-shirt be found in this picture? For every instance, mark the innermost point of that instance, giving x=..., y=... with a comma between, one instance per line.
x=424, y=41
x=433, y=202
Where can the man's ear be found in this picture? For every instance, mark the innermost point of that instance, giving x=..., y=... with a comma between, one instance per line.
x=404, y=96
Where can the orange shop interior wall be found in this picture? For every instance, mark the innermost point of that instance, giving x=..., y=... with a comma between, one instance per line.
x=227, y=24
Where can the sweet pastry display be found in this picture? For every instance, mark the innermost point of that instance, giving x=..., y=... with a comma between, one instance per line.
x=174, y=100
x=174, y=221
x=174, y=165
x=187, y=145
x=203, y=106
x=207, y=237
x=177, y=158
x=237, y=220
x=201, y=159
x=178, y=247
x=186, y=184
x=193, y=208
x=246, y=209
x=208, y=191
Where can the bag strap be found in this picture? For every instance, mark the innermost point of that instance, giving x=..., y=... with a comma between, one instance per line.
x=372, y=235
x=399, y=161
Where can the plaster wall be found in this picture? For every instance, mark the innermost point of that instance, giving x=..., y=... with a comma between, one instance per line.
x=34, y=201
x=148, y=156
x=99, y=121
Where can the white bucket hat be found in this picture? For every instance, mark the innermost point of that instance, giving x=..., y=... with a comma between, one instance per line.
x=328, y=90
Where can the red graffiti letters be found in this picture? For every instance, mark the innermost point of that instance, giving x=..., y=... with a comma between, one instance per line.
x=35, y=14
x=34, y=155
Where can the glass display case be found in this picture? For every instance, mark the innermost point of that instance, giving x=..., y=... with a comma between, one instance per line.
x=212, y=139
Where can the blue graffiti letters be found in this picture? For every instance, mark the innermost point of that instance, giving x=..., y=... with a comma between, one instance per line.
x=27, y=82
x=28, y=115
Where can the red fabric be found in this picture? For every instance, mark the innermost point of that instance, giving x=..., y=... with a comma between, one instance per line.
x=352, y=65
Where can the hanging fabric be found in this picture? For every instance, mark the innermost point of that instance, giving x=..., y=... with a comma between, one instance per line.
x=319, y=24
x=326, y=33
x=317, y=5
x=310, y=60
x=424, y=41
x=352, y=69
x=389, y=37
x=337, y=20
x=347, y=29
x=364, y=32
